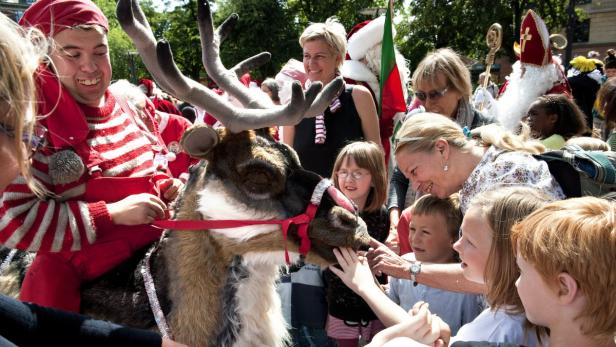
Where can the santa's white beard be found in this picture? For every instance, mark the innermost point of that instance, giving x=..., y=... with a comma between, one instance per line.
x=512, y=106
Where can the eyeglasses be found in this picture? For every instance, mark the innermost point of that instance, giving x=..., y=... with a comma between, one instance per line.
x=34, y=141
x=432, y=95
x=356, y=175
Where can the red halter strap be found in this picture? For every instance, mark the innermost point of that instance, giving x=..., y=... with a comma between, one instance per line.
x=302, y=221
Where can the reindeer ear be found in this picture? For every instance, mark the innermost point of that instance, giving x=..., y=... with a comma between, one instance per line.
x=199, y=140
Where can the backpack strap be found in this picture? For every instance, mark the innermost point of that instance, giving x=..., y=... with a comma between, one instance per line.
x=598, y=164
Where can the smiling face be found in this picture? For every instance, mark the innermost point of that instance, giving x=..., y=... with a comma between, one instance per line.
x=81, y=61
x=355, y=182
x=440, y=97
x=425, y=171
x=474, y=244
x=429, y=235
x=320, y=62
x=540, y=122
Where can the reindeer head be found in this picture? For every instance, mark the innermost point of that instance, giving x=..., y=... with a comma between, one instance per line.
x=245, y=173
x=249, y=175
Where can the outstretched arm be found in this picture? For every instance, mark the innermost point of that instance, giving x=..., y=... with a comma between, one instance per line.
x=355, y=273
x=443, y=276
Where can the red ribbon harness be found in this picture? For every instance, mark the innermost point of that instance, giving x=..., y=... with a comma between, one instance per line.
x=302, y=220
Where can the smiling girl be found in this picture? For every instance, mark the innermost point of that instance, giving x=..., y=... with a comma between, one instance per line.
x=359, y=172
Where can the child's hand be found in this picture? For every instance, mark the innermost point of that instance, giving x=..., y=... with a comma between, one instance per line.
x=170, y=188
x=355, y=271
x=137, y=209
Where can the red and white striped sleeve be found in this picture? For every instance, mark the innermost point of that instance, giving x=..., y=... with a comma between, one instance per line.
x=33, y=224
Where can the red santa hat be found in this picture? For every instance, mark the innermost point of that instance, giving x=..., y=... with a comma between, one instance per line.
x=364, y=36
x=54, y=16
x=534, y=41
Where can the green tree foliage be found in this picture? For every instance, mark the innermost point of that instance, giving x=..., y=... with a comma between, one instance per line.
x=263, y=26
x=462, y=24
x=347, y=11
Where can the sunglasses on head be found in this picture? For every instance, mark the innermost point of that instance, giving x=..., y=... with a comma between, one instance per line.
x=433, y=94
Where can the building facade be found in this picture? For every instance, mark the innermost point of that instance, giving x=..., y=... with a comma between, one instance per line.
x=598, y=31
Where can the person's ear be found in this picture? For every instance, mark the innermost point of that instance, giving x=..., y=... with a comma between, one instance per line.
x=442, y=147
x=552, y=118
x=567, y=288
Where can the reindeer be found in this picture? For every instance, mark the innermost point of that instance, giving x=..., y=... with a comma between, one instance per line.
x=216, y=287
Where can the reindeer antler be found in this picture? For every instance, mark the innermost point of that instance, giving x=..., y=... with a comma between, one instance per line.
x=228, y=79
x=159, y=61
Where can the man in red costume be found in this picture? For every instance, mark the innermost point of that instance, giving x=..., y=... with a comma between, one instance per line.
x=149, y=88
x=363, y=66
x=535, y=74
x=101, y=169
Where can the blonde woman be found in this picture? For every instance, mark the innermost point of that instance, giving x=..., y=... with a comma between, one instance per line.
x=439, y=158
x=442, y=84
x=25, y=324
x=350, y=117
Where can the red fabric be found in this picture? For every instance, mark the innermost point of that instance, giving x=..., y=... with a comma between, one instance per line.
x=149, y=85
x=54, y=279
x=534, y=49
x=403, y=232
x=60, y=109
x=165, y=106
x=53, y=16
x=172, y=127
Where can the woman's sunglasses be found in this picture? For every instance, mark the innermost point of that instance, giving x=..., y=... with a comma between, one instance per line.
x=433, y=94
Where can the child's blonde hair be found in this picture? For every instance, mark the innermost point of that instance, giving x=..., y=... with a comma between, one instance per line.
x=420, y=133
x=332, y=33
x=21, y=53
x=367, y=155
x=576, y=236
x=502, y=208
x=449, y=208
x=588, y=143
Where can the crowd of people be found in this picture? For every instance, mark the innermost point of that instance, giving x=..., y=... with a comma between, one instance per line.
x=474, y=240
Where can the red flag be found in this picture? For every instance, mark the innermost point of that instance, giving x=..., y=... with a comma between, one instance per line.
x=391, y=97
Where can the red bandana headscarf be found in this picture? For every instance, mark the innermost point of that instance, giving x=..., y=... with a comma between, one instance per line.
x=61, y=109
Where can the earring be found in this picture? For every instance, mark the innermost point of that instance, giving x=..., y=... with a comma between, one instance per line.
x=446, y=167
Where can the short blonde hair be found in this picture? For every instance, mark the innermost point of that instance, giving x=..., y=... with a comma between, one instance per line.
x=367, y=155
x=502, y=208
x=420, y=133
x=588, y=143
x=332, y=33
x=449, y=208
x=21, y=53
x=576, y=236
x=448, y=63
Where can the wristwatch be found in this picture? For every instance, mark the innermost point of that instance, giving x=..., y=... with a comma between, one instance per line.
x=415, y=269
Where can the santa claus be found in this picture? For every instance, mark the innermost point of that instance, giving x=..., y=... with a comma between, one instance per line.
x=535, y=73
x=363, y=66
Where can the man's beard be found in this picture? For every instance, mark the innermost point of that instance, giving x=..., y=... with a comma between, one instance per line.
x=521, y=91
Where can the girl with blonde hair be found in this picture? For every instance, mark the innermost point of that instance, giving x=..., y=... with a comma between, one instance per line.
x=487, y=258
